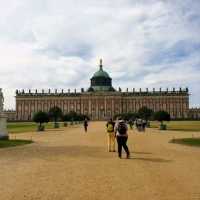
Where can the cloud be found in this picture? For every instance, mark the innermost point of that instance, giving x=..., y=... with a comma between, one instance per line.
x=46, y=44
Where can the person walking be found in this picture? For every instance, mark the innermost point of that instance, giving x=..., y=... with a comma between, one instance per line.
x=144, y=123
x=121, y=131
x=85, y=124
x=111, y=135
x=130, y=123
x=139, y=124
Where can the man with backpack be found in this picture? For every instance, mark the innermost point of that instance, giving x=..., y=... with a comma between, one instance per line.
x=111, y=135
x=121, y=130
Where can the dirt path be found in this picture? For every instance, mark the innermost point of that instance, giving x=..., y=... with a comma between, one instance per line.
x=68, y=164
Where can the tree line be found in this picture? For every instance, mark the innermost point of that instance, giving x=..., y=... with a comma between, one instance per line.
x=147, y=114
x=55, y=114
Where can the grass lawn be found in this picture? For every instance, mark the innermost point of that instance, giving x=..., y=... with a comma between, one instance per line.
x=13, y=143
x=20, y=127
x=179, y=125
x=187, y=141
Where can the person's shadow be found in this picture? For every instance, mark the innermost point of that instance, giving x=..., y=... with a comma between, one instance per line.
x=140, y=152
x=161, y=160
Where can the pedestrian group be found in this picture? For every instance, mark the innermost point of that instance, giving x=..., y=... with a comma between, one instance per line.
x=118, y=131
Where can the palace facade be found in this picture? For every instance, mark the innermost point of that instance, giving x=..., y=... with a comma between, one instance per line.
x=102, y=101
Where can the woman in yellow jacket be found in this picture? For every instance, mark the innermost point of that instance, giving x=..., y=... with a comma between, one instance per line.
x=111, y=135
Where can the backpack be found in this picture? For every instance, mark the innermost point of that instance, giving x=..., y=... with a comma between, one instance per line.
x=110, y=127
x=122, y=128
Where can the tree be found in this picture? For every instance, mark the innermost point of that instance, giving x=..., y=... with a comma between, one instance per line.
x=127, y=116
x=145, y=113
x=162, y=116
x=41, y=117
x=55, y=114
x=66, y=118
x=73, y=116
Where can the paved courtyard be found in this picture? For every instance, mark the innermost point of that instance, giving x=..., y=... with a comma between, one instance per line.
x=68, y=164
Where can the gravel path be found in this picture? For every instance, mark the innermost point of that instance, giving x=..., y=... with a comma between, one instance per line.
x=68, y=164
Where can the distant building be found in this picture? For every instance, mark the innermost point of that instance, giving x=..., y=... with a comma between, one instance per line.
x=10, y=114
x=194, y=113
x=101, y=101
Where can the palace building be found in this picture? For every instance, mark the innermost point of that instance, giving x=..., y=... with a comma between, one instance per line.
x=101, y=100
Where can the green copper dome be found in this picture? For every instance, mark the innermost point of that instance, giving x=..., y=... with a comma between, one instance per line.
x=101, y=73
x=101, y=81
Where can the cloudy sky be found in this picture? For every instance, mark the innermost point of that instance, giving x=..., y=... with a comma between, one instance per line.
x=58, y=44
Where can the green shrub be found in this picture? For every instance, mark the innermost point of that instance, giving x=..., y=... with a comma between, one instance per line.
x=163, y=127
x=162, y=116
x=55, y=114
x=41, y=117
